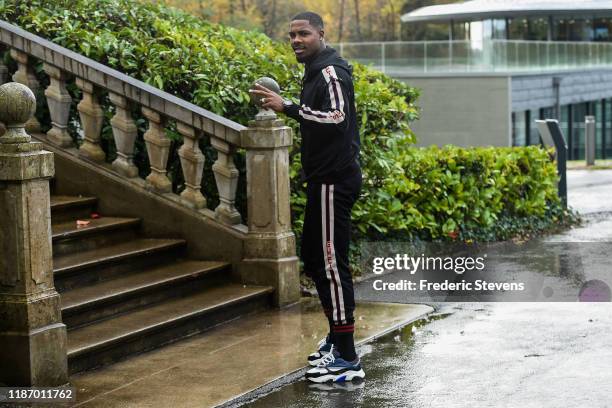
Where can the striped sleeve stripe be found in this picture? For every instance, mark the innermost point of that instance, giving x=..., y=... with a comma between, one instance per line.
x=335, y=93
x=336, y=115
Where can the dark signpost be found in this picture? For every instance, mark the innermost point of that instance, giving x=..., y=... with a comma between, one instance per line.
x=551, y=134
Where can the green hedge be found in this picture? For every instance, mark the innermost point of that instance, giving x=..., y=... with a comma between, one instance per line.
x=451, y=191
x=431, y=193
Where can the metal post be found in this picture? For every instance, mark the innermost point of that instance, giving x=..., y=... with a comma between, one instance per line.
x=589, y=140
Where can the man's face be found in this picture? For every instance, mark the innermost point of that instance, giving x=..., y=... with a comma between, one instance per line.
x=305, y=40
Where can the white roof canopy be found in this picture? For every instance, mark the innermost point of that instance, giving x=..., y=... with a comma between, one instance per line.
x=481, y=9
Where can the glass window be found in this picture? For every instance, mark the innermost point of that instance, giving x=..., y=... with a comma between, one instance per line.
x=461, y=30
x=519, y=128
x=602, y=29
x=420, y=31
x=534, y=134
x=560, y=29
x=538, y=29
x=498, y=29
x=598, y=113
x=436, y=31
x=608, y=133
x=414, y=31
x=476, y=31
x=518, y=29
x=579, y=111
x=547, y=113
x=580, y=29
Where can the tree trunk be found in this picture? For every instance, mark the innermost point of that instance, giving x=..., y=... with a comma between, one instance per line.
x=357, y=21
x=272, y=20
x=268, y=12
x=392, y=18
x=341, y=23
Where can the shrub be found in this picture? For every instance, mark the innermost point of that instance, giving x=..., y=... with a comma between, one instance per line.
x=455, y=190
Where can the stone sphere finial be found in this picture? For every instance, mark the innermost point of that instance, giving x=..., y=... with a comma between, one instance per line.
x=272, y=85
x=17, y=106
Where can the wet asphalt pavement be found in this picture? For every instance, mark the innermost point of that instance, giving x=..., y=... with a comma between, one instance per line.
x=520, y=354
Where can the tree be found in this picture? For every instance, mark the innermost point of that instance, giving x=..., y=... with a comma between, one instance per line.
x=381, y=17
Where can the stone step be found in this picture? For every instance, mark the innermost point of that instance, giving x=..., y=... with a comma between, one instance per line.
x=109, y=340
x=64, y=208
x=104, y=299
x=69, y=237
x=87, y=267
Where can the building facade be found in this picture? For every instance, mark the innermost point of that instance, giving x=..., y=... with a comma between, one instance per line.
x=489, y=68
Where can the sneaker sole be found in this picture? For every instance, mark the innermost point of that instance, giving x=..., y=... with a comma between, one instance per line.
x=346, y=376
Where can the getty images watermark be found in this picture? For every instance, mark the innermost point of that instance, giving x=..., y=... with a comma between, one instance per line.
x=454, y=272
x=458, y=265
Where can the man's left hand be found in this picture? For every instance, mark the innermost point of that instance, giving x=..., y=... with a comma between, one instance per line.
x=270, y=99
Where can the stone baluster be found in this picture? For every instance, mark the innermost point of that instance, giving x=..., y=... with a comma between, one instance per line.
x=226, y=176
x=92, y=117
x=270, y=254
x=3, y=79
x=3, y=68
x=192, y=163
x=32, y=334
x=158, y=149
x=124, y=133
x=25, y=75
x=58, y=100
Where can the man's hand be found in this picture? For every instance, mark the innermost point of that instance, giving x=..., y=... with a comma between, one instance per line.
x=270, y=99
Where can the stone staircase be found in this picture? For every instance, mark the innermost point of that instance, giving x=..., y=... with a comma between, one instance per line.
x=127, y=283
x=122, y=293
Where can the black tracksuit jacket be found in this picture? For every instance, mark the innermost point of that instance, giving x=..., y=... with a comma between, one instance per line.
x=328, y=121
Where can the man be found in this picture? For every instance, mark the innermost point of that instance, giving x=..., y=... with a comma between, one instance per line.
x=329, y=153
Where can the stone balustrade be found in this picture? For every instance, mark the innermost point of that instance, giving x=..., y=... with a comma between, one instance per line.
x=266, y=142
x=159, y=108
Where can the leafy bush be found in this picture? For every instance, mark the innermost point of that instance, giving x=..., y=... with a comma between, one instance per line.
x=443, y=192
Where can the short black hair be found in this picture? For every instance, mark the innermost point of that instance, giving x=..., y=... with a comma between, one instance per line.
x=313, y=19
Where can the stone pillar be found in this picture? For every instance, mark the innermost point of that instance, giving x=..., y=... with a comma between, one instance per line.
x=192, y=163
x=92, y=117
x=226, y=176
x=25, y=75
x=158, y=149
x=58, y=100
x=32, y=334
x=270, y=255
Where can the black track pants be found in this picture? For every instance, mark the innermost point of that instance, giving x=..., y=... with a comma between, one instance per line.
x=325, y=246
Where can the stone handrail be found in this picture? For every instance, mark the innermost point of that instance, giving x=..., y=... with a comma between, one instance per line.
x=158, y=107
